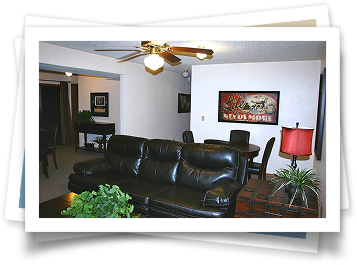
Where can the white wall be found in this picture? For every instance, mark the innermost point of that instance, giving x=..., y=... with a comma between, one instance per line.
x=298, y=83
x=148, y=103
x=87, y=85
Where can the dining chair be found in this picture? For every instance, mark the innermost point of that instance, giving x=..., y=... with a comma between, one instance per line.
x=51, y=148
x=260, y=168
x=187, y=137
x=43, y=145
x=239, y=136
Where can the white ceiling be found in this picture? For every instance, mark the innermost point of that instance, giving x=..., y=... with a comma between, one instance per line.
x=224, y=51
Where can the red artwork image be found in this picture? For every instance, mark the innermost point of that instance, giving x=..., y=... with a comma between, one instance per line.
x=261, y=107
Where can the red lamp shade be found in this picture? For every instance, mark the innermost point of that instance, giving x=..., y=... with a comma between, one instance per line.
x=296, y=141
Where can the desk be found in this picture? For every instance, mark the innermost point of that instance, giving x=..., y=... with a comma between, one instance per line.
x=103, y=128
x=248, y=150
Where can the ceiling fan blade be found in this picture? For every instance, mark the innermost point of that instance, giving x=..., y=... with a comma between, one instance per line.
x=192, y=50
x=129, y=55
x=116, y=50
x=170, y=57
x=132, y=57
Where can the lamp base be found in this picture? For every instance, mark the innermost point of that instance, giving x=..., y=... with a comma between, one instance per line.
x=293, y=163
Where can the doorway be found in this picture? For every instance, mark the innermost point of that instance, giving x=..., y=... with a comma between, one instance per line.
x=50, y=109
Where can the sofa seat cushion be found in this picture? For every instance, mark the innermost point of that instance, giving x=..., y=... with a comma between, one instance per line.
x=140, y=190
x=181, y=201
x=92, y=182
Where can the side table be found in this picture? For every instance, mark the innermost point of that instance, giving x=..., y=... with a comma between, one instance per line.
x=255, y=201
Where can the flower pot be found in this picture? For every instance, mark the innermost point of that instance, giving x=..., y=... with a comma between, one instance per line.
x=290, y=190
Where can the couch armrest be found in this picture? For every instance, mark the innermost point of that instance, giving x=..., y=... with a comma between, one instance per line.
x=91, y=166
x=222, y=193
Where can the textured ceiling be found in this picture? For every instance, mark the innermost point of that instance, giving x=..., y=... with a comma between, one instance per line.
x=224, y=51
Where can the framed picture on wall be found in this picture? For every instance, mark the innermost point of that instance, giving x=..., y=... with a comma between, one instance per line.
x=99, y=103
x=258, y=107
x=320, y=116
x=184, y=103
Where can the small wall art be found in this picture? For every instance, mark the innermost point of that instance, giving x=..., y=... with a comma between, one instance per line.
x=184, y=103
x=259, y=107
x=99, y=104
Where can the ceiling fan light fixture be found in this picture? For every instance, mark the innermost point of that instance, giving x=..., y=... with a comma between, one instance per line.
x=159, y=42
x=201, y=56
x=154, y=62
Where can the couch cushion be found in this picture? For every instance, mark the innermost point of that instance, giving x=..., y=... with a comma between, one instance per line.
x=92, y=182
x=203, y=164
x=141, y=190
x=125, y=153
x=160, y=162
x=180, y=201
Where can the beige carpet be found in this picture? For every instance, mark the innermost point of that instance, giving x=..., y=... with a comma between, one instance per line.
x=56, y=184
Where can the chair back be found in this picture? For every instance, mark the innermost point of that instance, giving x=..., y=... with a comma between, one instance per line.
x=239, y=136
x=187, y=137
x=268, y=149
x=52, y=129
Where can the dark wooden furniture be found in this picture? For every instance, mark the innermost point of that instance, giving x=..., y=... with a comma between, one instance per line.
x=52, y=141
x=255, y=201
x=103, y=128
x=43, y=145
x=240, y=136
x=54, y=207
x=248, y=150
x=261, y=168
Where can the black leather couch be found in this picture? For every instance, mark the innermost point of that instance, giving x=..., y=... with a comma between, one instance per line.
x=167, y=178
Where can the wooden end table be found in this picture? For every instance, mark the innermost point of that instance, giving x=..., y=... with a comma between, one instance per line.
x=255, y=201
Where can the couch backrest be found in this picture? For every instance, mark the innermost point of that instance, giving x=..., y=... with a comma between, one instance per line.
x=203, y=164
x=160, y=161
x=125, y=153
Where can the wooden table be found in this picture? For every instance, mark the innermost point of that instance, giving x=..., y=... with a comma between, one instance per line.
x=255, y=201
x=103, y=128
x=248, y=150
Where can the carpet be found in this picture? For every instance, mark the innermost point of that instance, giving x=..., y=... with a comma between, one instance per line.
x=56, y=184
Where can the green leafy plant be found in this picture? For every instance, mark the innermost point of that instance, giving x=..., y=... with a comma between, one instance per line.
x=108, y=202
x=297, y=179
x=99, y=139
x=85, y=116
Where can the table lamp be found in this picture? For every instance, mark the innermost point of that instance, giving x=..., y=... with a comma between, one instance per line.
x=296, y=141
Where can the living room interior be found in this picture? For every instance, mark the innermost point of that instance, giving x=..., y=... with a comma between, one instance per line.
x=144, y=104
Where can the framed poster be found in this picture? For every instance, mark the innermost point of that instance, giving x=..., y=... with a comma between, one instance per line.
x=99, y=103
x=259, y=107
x=184, y=103
x=320, y=116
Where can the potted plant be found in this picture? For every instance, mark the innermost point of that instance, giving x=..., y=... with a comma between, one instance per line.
x=85, y=116
x=99, y=139
x=108, y=202
x=295, y=180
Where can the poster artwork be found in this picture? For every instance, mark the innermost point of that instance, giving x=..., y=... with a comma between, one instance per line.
x=261, y=107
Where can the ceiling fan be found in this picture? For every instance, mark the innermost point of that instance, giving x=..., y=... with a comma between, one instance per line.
x=158, y=51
